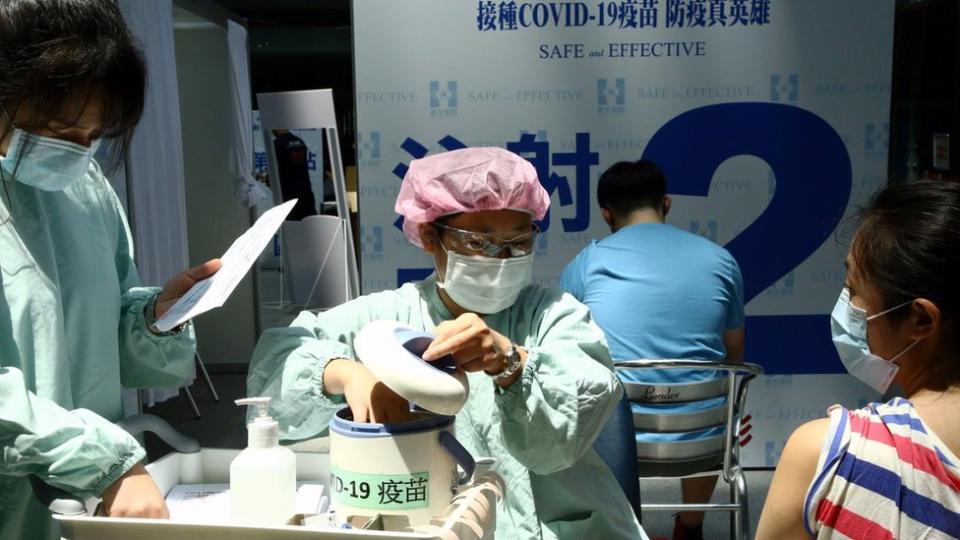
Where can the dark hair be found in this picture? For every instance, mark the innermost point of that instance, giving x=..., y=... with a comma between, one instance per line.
x=53, y=50
x=908, y=247
x=628, y=186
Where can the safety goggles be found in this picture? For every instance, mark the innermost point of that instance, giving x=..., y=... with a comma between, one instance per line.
x=474, y=243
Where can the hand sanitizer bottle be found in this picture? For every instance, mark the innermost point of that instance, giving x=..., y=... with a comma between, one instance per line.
x=263, y=478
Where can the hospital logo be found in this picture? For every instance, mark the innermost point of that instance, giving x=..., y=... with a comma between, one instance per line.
x=705, y=228
x=783, y=288
x=371, y=242
x=611, y=96
x=876, y=139
x=368, y=148
x=443, y=99
x=785, y=89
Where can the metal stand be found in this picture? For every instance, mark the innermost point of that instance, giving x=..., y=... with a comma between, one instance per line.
x=209, y=383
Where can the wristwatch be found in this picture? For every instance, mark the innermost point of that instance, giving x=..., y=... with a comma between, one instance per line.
x=149, y=312
x=513, y=364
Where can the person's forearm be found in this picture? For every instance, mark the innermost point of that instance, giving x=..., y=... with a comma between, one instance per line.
x=336, y=374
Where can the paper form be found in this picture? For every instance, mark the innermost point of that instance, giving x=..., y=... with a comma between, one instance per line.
x=210, y=503
x=243, y=252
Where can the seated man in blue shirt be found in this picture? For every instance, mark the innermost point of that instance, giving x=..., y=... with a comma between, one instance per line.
x=659, y=292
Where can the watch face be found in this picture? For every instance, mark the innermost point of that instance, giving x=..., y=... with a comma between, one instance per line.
x=513, y=362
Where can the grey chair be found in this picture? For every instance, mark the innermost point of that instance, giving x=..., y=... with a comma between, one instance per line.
x=315, y=252
x=716, y=416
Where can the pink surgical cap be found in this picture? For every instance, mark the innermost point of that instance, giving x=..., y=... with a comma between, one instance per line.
x=468, y=180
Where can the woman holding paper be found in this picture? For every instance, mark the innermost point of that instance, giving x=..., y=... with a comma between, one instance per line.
x=75, y=325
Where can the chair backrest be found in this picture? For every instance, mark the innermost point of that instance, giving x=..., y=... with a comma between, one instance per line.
x=690, y=425
x=315, y=251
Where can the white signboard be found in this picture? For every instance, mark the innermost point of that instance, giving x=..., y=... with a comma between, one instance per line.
x=770, y=118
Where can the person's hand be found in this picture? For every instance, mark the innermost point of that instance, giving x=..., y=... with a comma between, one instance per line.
x=180, y=284
x=369, y=399
x=135, y=495
x=473, y=344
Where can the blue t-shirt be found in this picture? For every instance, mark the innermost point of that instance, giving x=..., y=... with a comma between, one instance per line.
x=659, y=292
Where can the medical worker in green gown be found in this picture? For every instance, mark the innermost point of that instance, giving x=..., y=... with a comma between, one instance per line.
x=75, y=324
x=541, y=378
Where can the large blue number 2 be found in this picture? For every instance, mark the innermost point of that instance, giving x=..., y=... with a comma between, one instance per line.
x=814, y=178
x=807, y=156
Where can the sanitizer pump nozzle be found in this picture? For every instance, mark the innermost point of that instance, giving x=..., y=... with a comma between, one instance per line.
x=263, y=431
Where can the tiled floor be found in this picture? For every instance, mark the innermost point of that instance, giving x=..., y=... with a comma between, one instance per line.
x=716, y=525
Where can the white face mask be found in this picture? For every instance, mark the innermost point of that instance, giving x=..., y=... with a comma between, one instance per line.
x=848, y=324
x=485, y=284
x=45, y=162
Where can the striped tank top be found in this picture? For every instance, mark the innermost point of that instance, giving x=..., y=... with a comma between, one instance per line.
x=882, y=474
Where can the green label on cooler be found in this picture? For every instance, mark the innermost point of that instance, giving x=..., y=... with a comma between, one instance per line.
x=380, y=491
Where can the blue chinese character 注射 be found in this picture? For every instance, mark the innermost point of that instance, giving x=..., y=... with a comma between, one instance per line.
x=581, y=159
x=538, y=154
x=417, y=151
x=486, y=15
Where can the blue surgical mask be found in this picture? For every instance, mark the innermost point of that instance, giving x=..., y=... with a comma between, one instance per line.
x=45, y=162
x=848, y=324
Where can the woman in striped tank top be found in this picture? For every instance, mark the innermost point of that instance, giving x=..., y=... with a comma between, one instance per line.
x=888, y=470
